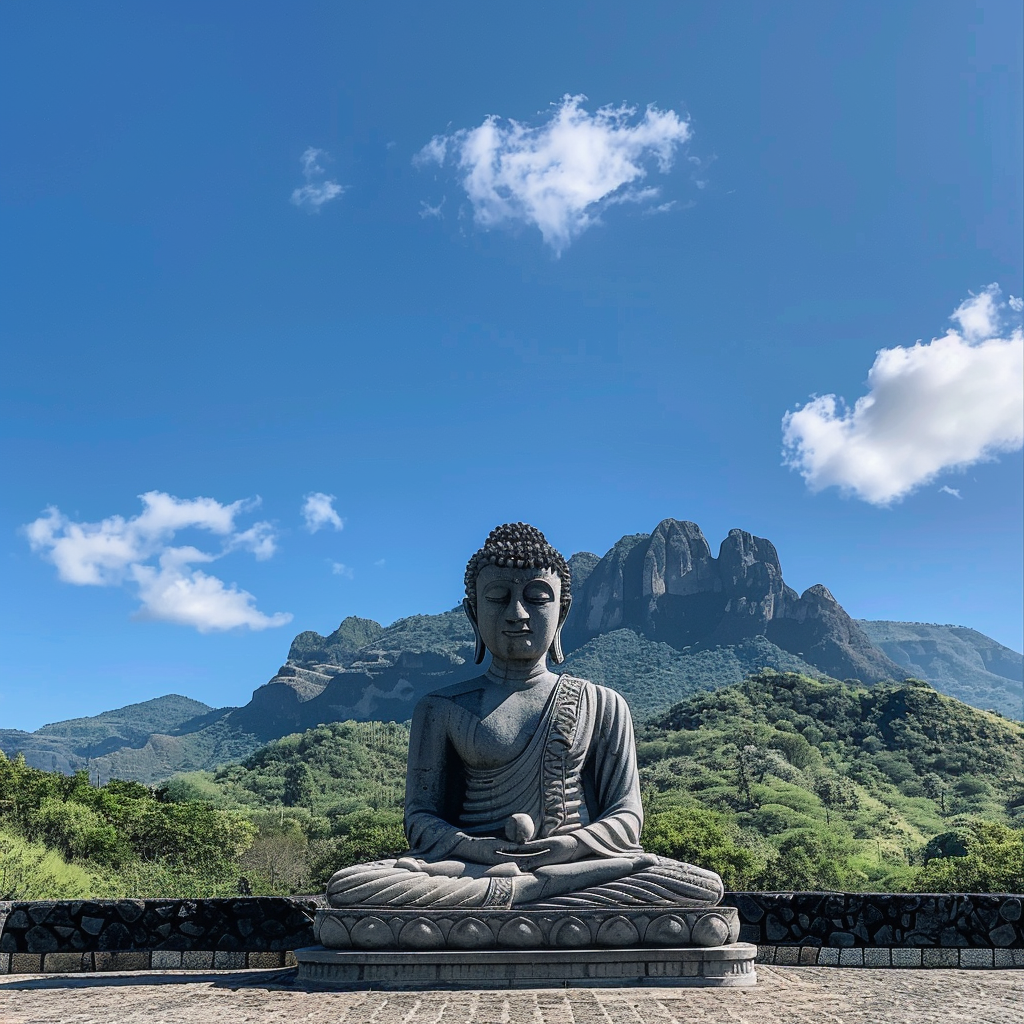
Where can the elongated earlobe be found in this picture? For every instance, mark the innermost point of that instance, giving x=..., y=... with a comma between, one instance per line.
x=555, y=650
x=479, y=651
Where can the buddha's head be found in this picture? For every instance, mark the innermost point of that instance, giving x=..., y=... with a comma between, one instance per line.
x=518, y=595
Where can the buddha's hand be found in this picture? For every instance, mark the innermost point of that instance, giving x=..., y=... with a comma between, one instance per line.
x=538, y=853
x=485, y=851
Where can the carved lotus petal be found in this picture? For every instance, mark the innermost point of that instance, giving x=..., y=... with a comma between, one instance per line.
x=570, y=933
x=710, y=930
x=618, y=931
x=420, y=933
x=372, y=933
x=470, y=934
x=520, y=933
x=668, y=930
x=332, y=933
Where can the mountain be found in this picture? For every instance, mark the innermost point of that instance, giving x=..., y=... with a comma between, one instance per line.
x=69, y=745
x=959, y=661
x=668, y=587
x=657, y=617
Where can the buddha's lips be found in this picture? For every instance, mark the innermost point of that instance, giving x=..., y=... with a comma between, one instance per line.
x=517, y=632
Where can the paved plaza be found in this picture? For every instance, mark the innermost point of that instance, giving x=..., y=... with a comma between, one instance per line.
x=815, y=995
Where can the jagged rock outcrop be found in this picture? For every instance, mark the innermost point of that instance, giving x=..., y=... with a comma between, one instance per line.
x=668, y=587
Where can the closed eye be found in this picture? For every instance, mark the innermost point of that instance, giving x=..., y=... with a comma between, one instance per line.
x=538, y=593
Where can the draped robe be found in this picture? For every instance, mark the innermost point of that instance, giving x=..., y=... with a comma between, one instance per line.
x=576, y=776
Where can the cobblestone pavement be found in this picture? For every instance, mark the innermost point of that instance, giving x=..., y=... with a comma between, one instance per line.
x=783, y=996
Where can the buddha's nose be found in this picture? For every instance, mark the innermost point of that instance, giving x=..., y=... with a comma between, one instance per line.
x=517, y=611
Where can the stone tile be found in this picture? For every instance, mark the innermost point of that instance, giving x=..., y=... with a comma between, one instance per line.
x=851, y=956
x=975, y=957
x=1004, y=958
x=197, y=960
x=877, y=957
x=809, y=955
x=1018, y=957
x=939, y=958
x=289, y=959
x=765, y=954
x=266, y=961
x=66, y=963
x=828, y=956
x=26, y=963
x=121, y=961
x=5, y=963
x=906, y=958
x=787, y=956
x=225, y=960
x=165, y=959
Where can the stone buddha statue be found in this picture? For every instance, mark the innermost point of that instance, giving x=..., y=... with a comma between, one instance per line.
x=522, y=787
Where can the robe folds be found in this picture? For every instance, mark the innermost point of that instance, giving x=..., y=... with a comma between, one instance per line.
x=577, y=776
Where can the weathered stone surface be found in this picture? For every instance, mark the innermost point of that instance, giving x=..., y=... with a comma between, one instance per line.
x=667, y=586
x=522, y=786
x=255, y=924
x=729, y=966
x=966, y=920
x=480, y=928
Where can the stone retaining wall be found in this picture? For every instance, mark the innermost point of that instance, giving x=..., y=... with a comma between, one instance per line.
x=851, y=920
x=823, y=929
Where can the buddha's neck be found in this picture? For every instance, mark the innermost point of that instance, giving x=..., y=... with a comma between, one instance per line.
x=520, y=674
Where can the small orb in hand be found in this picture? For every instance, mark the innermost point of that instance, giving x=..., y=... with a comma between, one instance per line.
x=519, y=828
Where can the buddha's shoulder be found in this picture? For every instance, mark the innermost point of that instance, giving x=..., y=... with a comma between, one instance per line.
x=597, y=692
x=455, y=690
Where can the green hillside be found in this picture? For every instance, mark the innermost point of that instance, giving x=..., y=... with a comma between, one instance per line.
x=839, y=787
x=653, y=676
x=72, y=744
x=957, y=660
x=780, y=781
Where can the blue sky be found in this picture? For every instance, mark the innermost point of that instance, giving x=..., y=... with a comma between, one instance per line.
x=253, y=254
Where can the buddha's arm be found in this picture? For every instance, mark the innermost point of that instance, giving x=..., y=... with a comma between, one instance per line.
x=611, y=780
x=430, y=836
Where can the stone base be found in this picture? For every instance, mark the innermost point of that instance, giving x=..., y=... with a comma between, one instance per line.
x=712, y=966
x=480, y=928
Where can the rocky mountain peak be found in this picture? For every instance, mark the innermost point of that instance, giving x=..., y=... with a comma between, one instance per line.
x=667, y=586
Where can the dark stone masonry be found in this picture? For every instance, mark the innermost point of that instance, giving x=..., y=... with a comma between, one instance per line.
x=844, y=920
x=262, y=924
x=826, y=929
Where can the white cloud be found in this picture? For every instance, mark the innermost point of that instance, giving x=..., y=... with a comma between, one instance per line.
x=122, y=552
x=319, y=189
x=318, y=512
x=560, y=175
x=955, y=401
x=953, y=492
x=341, y=569
x=426, y=210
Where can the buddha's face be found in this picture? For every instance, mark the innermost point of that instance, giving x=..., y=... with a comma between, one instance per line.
x=518, y=611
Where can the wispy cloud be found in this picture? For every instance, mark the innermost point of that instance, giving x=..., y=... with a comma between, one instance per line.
x=558, y=176
x=318, y=512
x=953, y=492
x=426, y=210
x=138, y=553
x=319, y=189
x=945, y=405
x=341, y=569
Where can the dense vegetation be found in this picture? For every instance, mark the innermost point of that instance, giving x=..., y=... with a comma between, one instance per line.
x=653, y=676
x=780, y=781
x=959, y=661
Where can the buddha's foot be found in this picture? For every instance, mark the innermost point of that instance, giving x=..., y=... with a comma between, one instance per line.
x=665, y=882
x=647, y=880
